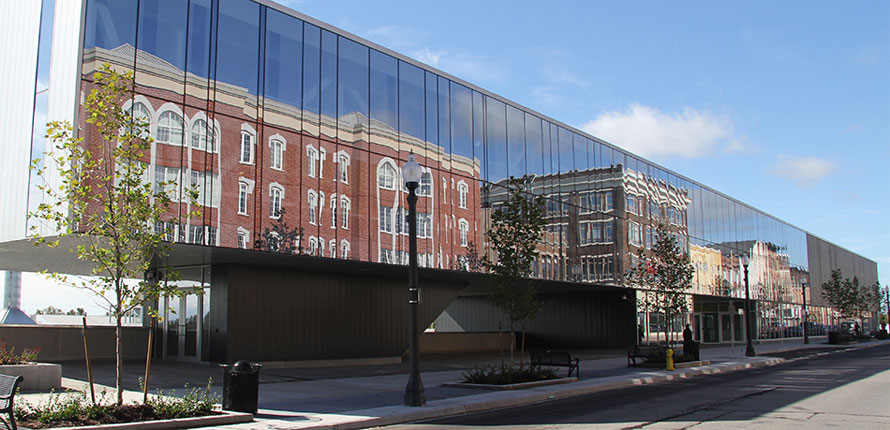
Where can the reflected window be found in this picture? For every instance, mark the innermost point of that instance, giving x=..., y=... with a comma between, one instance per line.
x=243, y=191
x=386, y=176
x=424, y=225
x=312, y=156
x=243, y=237
x=248, y=139
x=342, y=161
x=203, y=137
x=345, y=205
x=385, y=219
x=276, y=153
x=462, y=191
x=313, y=245
x=426, y=184
x=320, y=206
x=463, y=226
x=322, y=155
x=333, y=211
x=276, y=194
x=169, y=128
x=313, y=207
x=332, y=247
x=344, y=248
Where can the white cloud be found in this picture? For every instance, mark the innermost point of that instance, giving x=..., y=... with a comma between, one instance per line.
x=649, y=132
x=803, y=170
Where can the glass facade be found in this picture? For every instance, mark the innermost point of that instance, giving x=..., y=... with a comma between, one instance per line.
x=276, y=118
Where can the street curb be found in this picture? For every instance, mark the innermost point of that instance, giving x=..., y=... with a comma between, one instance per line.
x=225, y=418
x=502, y=399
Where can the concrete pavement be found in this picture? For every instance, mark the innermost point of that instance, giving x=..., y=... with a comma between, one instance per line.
x=368, y=396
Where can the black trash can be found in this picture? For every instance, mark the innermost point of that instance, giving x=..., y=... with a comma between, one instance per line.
x=241, y=386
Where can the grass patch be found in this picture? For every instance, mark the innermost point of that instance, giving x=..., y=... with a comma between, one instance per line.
x=504, y=375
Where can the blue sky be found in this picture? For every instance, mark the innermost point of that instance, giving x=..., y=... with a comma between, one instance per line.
x=782, y=105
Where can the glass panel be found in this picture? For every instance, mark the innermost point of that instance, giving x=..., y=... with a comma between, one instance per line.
x=172, y=320
x=191, y=325
x=411, y=105
x=432, y=108
x=534, y=146
x=444, y=122
x=496, y=134
x=462, y=129
x=237, y=56
x=311, y=78
x=353, y=92
x=109, y=24
x=199, y=52
x=282, y=87
x=161, y=36
x=479, y=135
x=328, y=83
x=516, y=141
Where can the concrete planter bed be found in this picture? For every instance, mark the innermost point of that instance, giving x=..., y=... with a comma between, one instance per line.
x=221, y=418
x=38, y=376
x=518, y=386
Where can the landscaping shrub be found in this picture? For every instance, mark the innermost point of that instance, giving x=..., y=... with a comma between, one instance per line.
x=73, y=408
x=503, y=375
x=882, y=334
x=8, y=355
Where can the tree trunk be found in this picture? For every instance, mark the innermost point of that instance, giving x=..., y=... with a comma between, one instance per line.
x=119, y=360
x=512, y=342
x=522, y=349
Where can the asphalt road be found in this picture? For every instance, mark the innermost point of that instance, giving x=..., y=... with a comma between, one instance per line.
x=841, y=390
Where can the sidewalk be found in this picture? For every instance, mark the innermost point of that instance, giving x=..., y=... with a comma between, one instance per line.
x=368, y=396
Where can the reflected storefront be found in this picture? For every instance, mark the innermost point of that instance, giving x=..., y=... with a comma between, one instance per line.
x=293, y=133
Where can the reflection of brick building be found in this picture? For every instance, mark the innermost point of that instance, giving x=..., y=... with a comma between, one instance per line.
x=346, y=198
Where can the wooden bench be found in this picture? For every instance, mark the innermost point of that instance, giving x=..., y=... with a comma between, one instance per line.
x=8, y=387
x=542, y=357
x=645, y=351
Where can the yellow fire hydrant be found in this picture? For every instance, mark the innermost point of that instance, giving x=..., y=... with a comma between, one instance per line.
x=669, y=359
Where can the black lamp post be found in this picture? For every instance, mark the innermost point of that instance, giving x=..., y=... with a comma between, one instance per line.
x=749, y=351
x=806, y=316
x=414, y=395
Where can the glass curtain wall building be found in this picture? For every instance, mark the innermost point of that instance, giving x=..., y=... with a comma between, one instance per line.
x=290, y=128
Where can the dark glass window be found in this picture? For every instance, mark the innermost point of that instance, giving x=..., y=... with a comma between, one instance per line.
x=239, y=32
x=432, y=111
x=478, y=132
x=534, y=145
x=516, y=141
x=444, y=116
x=496, y=139
x=461, y=121
x=311, y=67
x=384, y=90
x=353, y=81
x=199, y=40
x=162, y=30
x=110, y=23
x=566, y=156
x=411, y=102
x=329, y=74
x=284, y=58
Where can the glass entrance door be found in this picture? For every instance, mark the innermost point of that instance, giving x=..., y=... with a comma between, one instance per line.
x=183, y=325
x=709, y=327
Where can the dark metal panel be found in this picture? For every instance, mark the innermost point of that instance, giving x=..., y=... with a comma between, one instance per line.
x=283, y=315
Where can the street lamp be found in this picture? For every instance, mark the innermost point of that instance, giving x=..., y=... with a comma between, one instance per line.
x=414, y=395
x=749, y=351
x=806, y=337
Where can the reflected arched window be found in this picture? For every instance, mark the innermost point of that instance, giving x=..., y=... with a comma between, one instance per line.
x=345, y=204
x=332, y=247
x=313, y=207
x=386, y=176
x=203, y=137
x=169, y=129
x=426, y=184
x=313, y=245
x=344, y=248
x=462, y=190
x=464, y=227
x=276, y=194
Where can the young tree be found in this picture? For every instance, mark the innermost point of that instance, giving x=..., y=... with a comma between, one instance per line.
x=664, y=274
x=517, y=226
x=842, y=294
x=104, y=201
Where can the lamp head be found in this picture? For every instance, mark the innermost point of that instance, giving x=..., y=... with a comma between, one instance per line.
x=745, y=260
x=411, y=172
